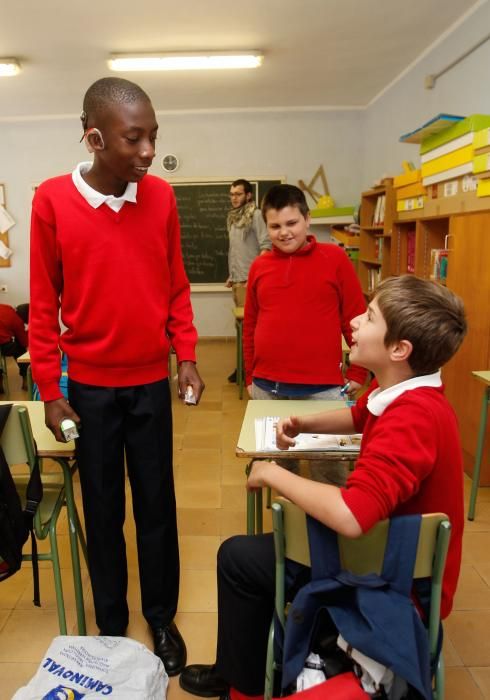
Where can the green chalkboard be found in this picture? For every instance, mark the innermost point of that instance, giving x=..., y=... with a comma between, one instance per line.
x=203, y=206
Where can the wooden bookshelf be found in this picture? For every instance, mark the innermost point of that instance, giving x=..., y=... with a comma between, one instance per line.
x=465, y=237
x=375, y=245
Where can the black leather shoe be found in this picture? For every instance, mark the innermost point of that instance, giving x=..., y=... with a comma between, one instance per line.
x=203, y=680
x=170, y=648
x=233, y=377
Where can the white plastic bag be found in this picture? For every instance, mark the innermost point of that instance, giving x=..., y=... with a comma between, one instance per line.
x=76, y=668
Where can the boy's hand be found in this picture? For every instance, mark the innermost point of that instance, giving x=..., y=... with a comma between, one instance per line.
x=54, y=412
x=353, y=388
x=257, y=477
x=189, y=376
x=249, y=390
x=286, y=430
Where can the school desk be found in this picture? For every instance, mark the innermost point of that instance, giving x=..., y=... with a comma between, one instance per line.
x=246, y=447
x=484, y=377
x=64, y=454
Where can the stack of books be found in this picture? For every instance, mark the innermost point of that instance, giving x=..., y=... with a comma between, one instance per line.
x=481, y=162
x=455, y=169
x=409, y=191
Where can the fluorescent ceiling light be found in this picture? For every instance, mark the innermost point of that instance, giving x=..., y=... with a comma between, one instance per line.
x=9, y=66
x=210, y=60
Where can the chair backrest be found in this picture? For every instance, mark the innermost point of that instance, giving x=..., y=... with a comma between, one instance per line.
x=366, y=553
x=17, y=440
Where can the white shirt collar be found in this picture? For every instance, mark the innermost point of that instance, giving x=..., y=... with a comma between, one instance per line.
x=378, y=401
x=94, y=198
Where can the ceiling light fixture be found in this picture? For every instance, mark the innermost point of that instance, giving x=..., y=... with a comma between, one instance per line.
x=9, y=66
x=200, y=60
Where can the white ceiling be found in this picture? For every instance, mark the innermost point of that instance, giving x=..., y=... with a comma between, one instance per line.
x=317, y=52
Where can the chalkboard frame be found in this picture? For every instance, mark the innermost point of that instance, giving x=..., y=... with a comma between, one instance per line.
x=218, y=286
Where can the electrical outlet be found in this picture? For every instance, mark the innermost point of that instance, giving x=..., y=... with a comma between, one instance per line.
x=3, y=288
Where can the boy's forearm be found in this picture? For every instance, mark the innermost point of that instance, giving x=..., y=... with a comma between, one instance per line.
x=337, y=422
x=323, y=502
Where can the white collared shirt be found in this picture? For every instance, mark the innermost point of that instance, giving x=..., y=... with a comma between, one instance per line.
x=94, y=198
x=378, y=401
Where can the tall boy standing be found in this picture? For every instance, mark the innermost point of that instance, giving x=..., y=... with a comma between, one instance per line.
x=105, y=249
x=410, y=462
x=300, y=299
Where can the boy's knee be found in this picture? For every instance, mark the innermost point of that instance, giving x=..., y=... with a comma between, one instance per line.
x=230, y=553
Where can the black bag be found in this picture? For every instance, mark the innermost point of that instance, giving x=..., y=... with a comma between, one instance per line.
x=15, y=523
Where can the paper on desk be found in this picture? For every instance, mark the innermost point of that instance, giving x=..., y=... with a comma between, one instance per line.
x=265, y=439
x=6, y=221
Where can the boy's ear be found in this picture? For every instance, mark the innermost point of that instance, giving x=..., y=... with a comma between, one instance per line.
x=94, y=140
x=249, y=197
x=401, y=350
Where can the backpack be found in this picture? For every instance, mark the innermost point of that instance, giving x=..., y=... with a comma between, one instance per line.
x=15, y=523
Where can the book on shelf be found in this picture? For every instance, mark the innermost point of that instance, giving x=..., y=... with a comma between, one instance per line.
x=378, y=248
x=438, y=264
x=373, y=278
x=265, y=439
x=410, y=251
x=379, y=211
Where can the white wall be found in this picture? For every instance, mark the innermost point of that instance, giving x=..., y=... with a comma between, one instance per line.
x=290, y=144
x=355, y=147
x=407, y=105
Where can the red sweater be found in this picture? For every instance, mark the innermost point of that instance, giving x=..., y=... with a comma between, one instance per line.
x=410, y=462
x=298, y=306
x=11, y=326
x=125, y=297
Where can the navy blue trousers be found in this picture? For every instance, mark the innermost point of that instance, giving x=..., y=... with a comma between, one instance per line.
x=135, y=422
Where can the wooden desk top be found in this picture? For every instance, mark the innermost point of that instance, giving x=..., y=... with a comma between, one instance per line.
x=483, y=376
x=47, y=445
x=24, y=359
x=259, y=409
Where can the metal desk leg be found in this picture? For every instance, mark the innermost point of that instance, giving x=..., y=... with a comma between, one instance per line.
x=239, y=357
x=250, y=513
x=73, y=523
x=258, y=512
x=479, y=453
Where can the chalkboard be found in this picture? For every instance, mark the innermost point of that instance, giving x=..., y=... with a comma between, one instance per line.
x=203, y=207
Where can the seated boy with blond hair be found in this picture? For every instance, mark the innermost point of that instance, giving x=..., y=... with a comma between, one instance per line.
x=410, y=462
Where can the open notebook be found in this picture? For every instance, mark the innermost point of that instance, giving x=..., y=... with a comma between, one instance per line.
x=265, y=439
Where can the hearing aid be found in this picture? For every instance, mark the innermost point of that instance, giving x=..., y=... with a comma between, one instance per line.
x=88, y=133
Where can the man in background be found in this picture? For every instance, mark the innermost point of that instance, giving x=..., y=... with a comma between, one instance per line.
x=13, y=336
x=248, y=239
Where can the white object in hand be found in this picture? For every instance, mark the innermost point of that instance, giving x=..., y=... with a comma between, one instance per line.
x=189, y=396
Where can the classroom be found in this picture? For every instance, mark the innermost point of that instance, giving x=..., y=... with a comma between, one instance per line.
x=339, y=85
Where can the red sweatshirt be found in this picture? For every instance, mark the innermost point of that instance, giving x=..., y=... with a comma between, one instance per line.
x=125, y=297
x=410, y=462
x=11, y=326
x=298, y=306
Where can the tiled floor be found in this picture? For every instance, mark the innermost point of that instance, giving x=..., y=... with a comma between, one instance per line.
x=211, y=506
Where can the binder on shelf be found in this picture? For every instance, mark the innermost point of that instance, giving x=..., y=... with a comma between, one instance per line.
x=475, y=122
x=454, y=145
x=415, y=190
x=481, y=163
x=448, y=161
x=464, y=169
x=410, y=178
x=410, y=204
x=433, y=126
x=483, y=189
